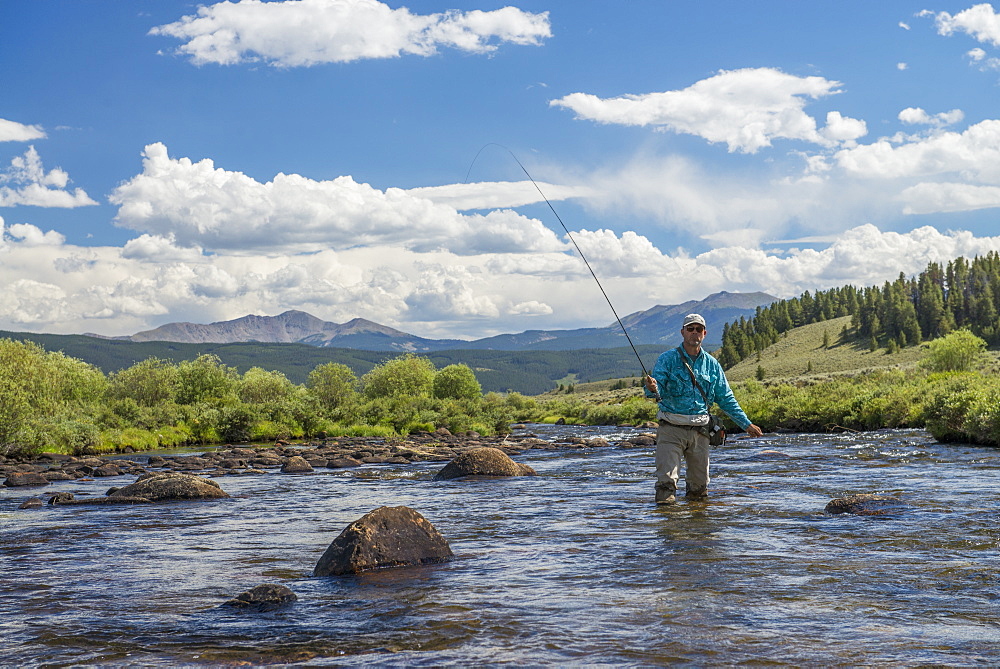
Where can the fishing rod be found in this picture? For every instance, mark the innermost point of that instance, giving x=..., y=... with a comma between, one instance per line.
x=568, y=234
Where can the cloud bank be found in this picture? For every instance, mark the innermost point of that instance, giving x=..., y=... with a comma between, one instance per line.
x=54, y=286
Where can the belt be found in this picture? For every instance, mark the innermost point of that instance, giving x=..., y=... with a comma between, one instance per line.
x=687, y=427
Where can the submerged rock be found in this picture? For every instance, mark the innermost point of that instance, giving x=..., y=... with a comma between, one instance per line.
x=61, y=499
x=864, y=505
x=386, y=537
x=486, y=461
x=163, y=486
x=264, y=597
x=769, y=454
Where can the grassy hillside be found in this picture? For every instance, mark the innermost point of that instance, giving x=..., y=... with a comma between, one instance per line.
x=798, y=356
x=801, y=353
x=790, y=359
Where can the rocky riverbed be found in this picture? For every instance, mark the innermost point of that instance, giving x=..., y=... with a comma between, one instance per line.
x=289, y=458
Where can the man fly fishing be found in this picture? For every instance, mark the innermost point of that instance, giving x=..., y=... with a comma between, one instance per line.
x=683, y=408
x=687, y=381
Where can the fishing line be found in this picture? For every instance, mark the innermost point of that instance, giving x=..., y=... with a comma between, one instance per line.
x=578, y=250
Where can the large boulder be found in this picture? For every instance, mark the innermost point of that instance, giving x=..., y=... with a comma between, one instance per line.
x=864, y=505
x=264, y=597
x=386, y=537
x=19, y=479
x=161, y=486
x=297, y=465
x=486, y=461
x=339, y=463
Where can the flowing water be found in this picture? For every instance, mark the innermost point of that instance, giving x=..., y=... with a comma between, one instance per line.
x=573, y=566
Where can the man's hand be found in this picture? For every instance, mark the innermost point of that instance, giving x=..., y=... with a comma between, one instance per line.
x=651, y=384
x=754, y=431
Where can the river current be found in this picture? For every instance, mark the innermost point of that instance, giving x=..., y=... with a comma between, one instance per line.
x=573, y=566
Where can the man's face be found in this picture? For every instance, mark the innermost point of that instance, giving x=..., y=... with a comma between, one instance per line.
x=693, y=334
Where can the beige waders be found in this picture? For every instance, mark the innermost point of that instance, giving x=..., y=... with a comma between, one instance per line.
x=674, y=442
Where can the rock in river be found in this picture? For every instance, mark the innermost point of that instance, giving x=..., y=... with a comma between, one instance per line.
x=486, y=461
x=264, y=597
x=386, y=537
x=162, y=486
x=864, y=505
x=297, y=465
x=16, y=479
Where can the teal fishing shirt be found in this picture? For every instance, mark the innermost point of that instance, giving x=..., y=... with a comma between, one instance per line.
x=678, y=394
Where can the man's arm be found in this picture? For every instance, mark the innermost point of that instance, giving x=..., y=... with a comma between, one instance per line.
x=726, y=400
x=656, y=380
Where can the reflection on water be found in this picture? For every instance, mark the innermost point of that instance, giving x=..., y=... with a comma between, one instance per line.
x=574, y=565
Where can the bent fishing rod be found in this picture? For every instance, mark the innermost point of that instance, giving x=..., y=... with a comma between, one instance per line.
x=577, y=246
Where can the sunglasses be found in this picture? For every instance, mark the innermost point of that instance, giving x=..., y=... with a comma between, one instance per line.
x=694, y=328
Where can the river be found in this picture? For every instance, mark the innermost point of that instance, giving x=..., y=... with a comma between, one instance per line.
x=573, y=566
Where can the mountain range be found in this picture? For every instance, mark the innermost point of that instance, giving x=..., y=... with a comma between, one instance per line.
x=658, y=325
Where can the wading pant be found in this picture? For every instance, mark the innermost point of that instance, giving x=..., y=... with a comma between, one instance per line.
x=673, y=443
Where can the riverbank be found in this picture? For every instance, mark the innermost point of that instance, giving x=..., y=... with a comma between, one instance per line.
x=331, y=453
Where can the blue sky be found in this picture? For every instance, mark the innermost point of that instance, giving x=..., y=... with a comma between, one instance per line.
x=166, y=161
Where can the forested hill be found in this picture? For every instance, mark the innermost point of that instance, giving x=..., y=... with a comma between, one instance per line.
x=901, y=313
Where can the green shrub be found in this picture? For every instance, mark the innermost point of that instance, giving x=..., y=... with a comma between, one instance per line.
x=414, y=428
x=130, y=437
x=151, y=382
x=258, y=386
x=204, y=379
x=235, y=421
x=957, y=351
x=15, y=410
x=982, y=423
x=333, y=385
x=456, y=382
x=406, y=376
x=64, y=436
x=361, y=430
x=949, y=399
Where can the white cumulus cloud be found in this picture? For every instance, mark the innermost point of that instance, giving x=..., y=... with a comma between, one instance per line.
x=448, y=292
x=300, y=33
x=746, y=109
x=198, y=204
x=12, y=131
x=979, y=21
x=975, y=153
x=31, y=185
x=917, y=116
